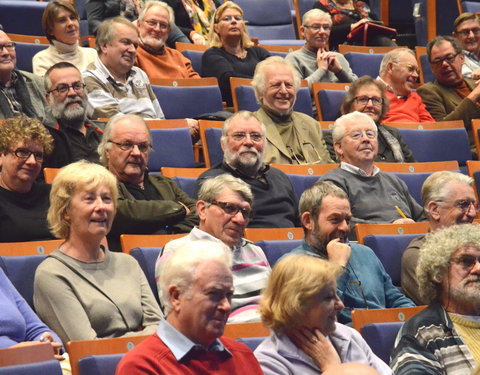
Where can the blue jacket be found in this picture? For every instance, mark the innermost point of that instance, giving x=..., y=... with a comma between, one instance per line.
x=365, y=283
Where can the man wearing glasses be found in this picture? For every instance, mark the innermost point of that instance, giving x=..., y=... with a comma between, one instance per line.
x=448, y=199
x=314, y=62
x=21, y=93
x=147, y=204
x=443, y=338
x=243, y=145
x=467, y=30
x=451, y=96
x=75, y=137
x=224, y=207
x=399, y=75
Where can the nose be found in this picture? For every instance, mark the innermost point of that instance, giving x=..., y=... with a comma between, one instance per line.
x=339, y=306
x=344, y=226
x=31, y=159
x=471, y=211
x=283, y=88
x=135, y=150
x=71, y=91
x=225, y=305
x=248, y=140
x=476, y=268
x=239, y=219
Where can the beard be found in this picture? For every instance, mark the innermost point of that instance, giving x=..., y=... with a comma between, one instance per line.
x=153, y=43
x=319, y=240
x=467, y=292
x=73, y=117
x=247, y=159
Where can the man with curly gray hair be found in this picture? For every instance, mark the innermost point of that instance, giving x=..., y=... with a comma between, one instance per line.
x=443, y=338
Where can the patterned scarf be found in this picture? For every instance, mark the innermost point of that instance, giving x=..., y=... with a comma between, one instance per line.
x=392, y=143
x=339, y=14
x=200, y=18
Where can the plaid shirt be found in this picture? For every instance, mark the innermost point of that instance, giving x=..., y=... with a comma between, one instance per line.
x=11, y=96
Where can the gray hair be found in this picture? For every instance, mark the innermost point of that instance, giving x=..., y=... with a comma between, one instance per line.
x=394, y=56
x=213, y=187
x=435, y=188
x=179, y=266
x=105, y=145
x=441, y=39
x=107, y=30
x=435, y=255
x=246, y=115
x=338, y=131
x=155, y=3
x=258, y=81
x=60, y=65
x=315, y=13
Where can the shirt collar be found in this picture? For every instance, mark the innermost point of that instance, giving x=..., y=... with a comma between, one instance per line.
x=471, y=55
x=355, y=170
x=180, y=345
x=106, y=73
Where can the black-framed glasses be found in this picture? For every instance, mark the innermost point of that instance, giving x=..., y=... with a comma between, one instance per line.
x=233, y=209
x=240, y=136
x=363, y=100
x=127, y=146
x=63, y=88
x=466, y=32
x=449, y=59
x=466, y=261
x=318, y=27
x=25, y=153
x=161, y=25
x=8, y=46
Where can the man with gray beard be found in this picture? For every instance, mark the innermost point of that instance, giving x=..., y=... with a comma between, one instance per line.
x=243, y=143
x=75, y=137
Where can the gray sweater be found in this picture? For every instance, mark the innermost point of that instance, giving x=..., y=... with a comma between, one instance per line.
x=84, y=302
x=305, y=62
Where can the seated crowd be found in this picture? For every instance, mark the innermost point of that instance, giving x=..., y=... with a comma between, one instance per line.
x=86, y=112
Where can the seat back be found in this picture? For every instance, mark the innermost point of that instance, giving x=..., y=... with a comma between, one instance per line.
x=328, y=98
x=301, y=7
x=364, y=63
x=31, y=352
x=363, y=230
x=305, y=169
x=473, y=168
x=471, y=6
x=210, y=134
x=82, y=13
x=99, y=364
x=251, y=342
x=22, y=16
x=28, y=248
x=432, y=166
x=414, y=183
x=21, y=272
x=25, y=53
x=268, y=234
x=362, y=317
x=39, y=368
x=302, y=182
x=196, y=58
x=426, y=73
x=251, y=329
x=171, y=148
x=476, y=134
x=187, y=184
x=274, y=250
x=344, y=48
x=389, y=248
x=50, y=174
x=147, y=258
x=380, y=337
x=131, y=241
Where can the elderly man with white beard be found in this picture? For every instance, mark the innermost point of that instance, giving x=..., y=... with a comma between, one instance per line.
x=75, y=137
x=243, y=143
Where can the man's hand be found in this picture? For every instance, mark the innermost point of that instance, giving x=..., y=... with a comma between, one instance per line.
x=328, y=61
x=338, y=252
x=404, y=220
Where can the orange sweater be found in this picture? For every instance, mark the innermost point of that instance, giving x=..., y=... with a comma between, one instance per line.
x=171, y=64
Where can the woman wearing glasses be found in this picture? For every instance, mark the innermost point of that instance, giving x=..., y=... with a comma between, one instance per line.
x=300, y=306
x=231, y=52
x=61, y=24
x=82, y=290
x=23, y=202
x=367, y=95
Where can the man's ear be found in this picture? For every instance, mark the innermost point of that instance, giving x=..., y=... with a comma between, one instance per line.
x=201, y=206
x=338, y=150
x=433, y=210
x=307, y=221
x=174, y=296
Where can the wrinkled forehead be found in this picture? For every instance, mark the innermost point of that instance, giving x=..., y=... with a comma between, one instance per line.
x=467, y=249
x=358, y=124
x=320, y=20
x=408, y=58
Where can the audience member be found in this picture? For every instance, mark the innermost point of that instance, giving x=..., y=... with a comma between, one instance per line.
x=148, y=203
x=399, y=73
x=24, y=203
x=299, y=305
x=76, y=138
x=451, y=96
x=225, y=206
x=61, y=25
x=367, y=95
x=375, y=197
x=325, y=214
x=82, y=290
x=197, y=284
x=231, y=52
x=314, y=62
x=153, y=56
x=448, y=199
x=443, y=338
x=20, y=92
x=466, y=28
x=346, y=16
x=114, y=85
x=293, y=137
x=243, y=144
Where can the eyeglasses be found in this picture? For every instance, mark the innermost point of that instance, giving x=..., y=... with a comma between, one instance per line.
x=410, y=68
x=370, y=134
x=127, y=146
x=466, y=32
x=161, y=25
x=240, y=136
x=363, y=100
x=63, y=88
x=24, y=153
x=233, y=209
x=463, y=205
x=467, y=262
x=8, y=46
x=449, y=59
x=318, y=27
x=231, y=18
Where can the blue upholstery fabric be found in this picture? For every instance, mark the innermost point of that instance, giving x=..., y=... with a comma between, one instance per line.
x=99, y=364
x=22, y=16
x=330, y=102
x=274, y=250
x=381, y=338
x=196, y=58
x=302, y=182
x=40, y=368
x=364, y=63
x=251, y=342
x=187, y=184
x=215, y=151
x=427, y=69
x=171, y=148
x=25, y=53
x=146, y=258
x=414, y=183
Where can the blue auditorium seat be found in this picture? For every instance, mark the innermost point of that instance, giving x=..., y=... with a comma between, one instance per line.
x=196, y=58
x=215, y=151
x=25, y=53
x=146, y=258
x=167, y=144
x=105, y=364
x=330, y=102
x=302, y=182
x=364, y=63
x=251, y=342
x=187, y=184
x=39, y=368
x=274, y=250
x=22, y=16
x=381, y=338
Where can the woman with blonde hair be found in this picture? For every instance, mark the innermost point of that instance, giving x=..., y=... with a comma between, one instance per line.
x=82, y=290
x=231, y=52
x=300, y=306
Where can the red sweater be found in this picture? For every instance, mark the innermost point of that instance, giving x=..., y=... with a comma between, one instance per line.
x=170, y=65
x=409, y=109
x=152, y=357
